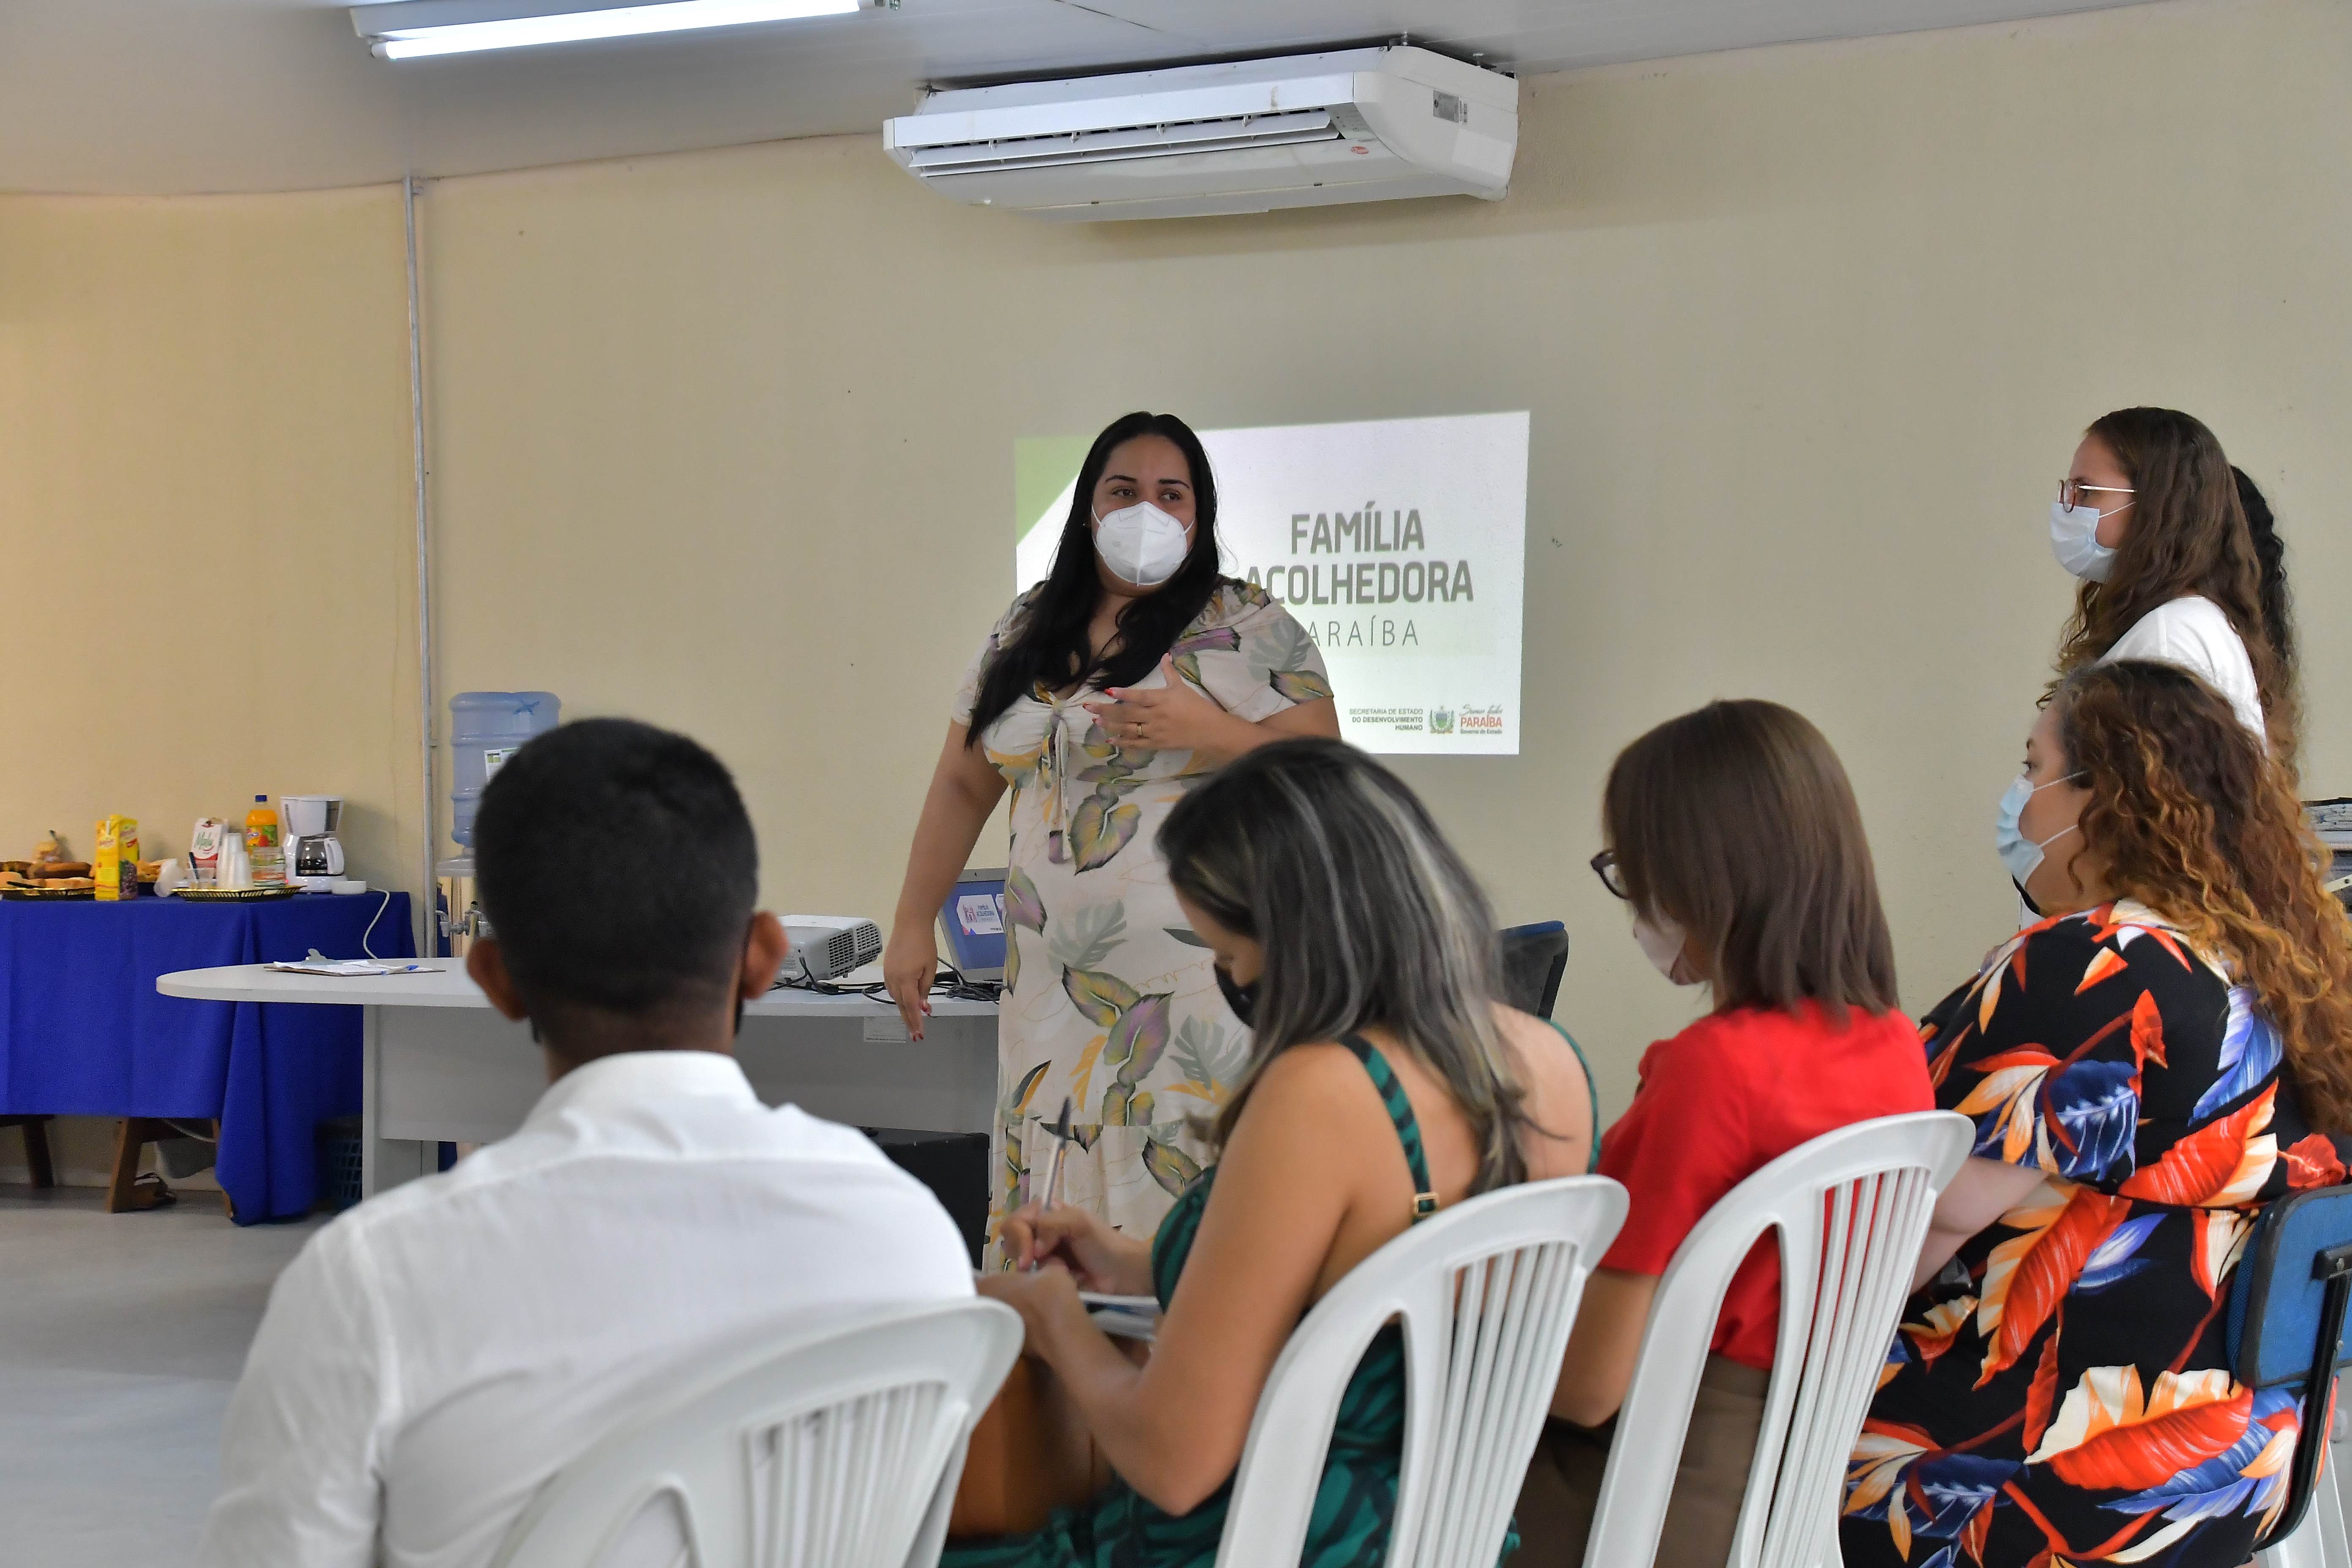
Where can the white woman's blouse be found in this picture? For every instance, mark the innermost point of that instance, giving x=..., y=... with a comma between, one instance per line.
x=2192, y=633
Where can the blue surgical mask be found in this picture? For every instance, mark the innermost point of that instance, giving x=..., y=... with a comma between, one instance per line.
x=2074, y=539
x=2019, y=853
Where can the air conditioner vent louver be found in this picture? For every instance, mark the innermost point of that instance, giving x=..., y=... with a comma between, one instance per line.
x=1222, y=134
x=1349, y=125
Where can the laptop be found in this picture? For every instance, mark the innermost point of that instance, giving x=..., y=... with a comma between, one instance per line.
x=972, y=920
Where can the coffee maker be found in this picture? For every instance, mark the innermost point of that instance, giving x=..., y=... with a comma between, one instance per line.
x=312, y=850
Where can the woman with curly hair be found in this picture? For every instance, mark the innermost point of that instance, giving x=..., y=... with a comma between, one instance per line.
x=2179, y=564
x=2167, y=1052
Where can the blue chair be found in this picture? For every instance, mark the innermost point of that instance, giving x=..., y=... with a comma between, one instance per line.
x=1533, y=959
x=2290, y=1298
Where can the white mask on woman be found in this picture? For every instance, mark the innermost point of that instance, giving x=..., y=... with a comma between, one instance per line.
x=1662, y=943
x=1141, y=544
x=2074, y=539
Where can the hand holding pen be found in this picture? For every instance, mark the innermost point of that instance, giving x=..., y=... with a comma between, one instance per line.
x=1060, y=1129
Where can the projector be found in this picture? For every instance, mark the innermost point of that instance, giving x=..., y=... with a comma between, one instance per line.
x=826, y=947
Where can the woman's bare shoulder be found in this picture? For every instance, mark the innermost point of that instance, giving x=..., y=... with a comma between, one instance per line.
x=1305, y=1075
x=1538, y=1045
x=1314, y=1102
x=1559, y=1093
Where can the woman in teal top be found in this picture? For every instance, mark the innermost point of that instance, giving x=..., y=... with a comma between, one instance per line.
x=1384, y=1083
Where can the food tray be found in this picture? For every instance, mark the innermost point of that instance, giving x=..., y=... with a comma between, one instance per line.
x=32, y=895
x=231, y=895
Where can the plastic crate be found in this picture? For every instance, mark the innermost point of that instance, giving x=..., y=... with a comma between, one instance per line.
x=338, y=1162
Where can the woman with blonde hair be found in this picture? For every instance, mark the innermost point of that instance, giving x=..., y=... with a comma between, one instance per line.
x=2164, y=1053
x=1384, y=1083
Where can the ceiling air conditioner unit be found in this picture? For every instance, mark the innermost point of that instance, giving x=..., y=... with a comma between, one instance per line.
x=1353, y=125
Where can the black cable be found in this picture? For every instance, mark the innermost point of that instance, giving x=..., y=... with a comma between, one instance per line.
x=960, y=987
x=953, y=985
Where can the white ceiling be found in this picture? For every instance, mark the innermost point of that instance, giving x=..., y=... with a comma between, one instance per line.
x=169, y=96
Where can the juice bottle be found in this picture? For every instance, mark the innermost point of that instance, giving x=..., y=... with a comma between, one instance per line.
x=261, y=844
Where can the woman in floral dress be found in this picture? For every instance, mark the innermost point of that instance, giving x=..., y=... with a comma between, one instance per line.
x=1100, y=697
x=2146, y=1069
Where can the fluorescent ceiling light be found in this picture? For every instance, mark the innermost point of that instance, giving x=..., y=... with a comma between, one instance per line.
x=416, y=29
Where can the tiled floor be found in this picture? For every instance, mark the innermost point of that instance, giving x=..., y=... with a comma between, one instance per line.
x=120, y=1338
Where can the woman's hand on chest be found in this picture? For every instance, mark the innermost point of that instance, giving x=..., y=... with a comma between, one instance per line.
x=1173, y=716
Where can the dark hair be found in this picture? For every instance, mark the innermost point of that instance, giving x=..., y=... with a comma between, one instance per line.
x=1368, y=917
x=618, y=870
x=1737, y=823
x=1048, y=643
x=2193, y=818
x=2270, y=556
x=2188, y=535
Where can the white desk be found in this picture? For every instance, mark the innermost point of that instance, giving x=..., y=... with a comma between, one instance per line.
x=442, y=1066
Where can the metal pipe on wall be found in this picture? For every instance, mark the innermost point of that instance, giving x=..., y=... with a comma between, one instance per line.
x=427, y=924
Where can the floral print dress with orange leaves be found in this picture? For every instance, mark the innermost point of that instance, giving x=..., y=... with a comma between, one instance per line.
x=1110, y=999
x=2060, y=1392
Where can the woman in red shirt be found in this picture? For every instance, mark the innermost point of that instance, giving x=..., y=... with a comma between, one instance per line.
x=1734, y=837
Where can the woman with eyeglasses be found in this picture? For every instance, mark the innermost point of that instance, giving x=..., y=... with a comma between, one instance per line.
x=1734, y=838
x=2179, y=564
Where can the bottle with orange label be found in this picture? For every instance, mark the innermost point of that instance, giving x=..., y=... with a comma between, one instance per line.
x=262, y=846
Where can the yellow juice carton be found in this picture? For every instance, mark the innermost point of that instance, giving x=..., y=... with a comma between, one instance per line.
x=116, y=864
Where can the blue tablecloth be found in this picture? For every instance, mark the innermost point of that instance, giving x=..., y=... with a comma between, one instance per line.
x=83, y=1031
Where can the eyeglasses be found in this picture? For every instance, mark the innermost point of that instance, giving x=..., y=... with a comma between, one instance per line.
x=1604, y=866
x=2072, y=491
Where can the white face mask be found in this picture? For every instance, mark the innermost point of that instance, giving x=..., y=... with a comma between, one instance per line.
x=2074, y=539
x=1662, y=943
x=1141, y=544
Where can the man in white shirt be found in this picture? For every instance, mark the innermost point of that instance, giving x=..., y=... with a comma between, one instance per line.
x=432, y=1357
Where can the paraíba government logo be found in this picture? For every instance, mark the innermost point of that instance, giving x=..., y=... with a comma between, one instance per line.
x=1485, y=721
x=1467, y=719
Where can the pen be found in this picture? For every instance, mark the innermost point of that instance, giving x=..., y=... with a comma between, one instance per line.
x=1061, y=1131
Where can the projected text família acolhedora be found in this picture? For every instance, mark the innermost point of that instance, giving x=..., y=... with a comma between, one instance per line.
x=1415, y=604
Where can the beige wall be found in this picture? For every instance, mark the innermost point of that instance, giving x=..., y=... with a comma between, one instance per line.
x=198, y=397
x=724, y=440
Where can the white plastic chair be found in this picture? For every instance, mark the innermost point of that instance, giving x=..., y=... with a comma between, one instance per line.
x=2320, y=1540
x=840, y=1449
x=1851, y=1207
x=1486, y=1291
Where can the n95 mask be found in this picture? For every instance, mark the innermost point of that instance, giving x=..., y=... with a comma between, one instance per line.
x=1141, y=544
x=2074, y=539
